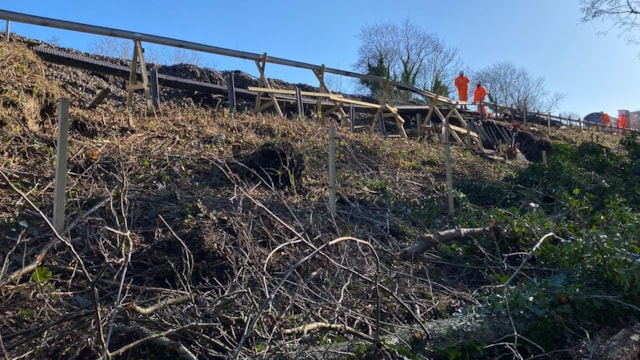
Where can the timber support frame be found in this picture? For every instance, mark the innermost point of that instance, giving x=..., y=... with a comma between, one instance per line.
x=133, y=85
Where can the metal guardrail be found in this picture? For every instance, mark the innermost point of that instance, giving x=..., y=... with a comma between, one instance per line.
x=549, y=119
x=124, y=34
x=160, y=40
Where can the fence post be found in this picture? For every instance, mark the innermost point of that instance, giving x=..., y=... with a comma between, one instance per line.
x=352, y=118
x=231, y=90
x=155, y=91
x=299, y=104
x=447, y=154
x=61, y=165
x=6, y=32
x=382, y=127
x=332, y=170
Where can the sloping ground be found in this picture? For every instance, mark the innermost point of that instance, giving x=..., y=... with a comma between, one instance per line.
x=209, y=235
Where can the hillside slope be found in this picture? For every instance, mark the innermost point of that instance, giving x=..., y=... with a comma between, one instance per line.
x=212, y=230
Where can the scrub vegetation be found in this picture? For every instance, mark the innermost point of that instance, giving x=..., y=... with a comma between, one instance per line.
x=193, y=233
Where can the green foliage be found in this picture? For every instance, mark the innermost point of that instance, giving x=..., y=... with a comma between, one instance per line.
x=588, y=274
x=27, y=314
x=439, y=87
x=464, y=351
x=484, y=194
x=380, y=69
x=41, y=275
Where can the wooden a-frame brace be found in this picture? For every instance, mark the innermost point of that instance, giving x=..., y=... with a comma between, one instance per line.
x=433, y=102
x=392, y=111
x=319, y=73
x=138, y=59
x=273, y=101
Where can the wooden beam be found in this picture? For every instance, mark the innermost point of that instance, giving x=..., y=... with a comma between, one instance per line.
x=98, y=99
x=339, y=99
x=463, y=130
x=287, y=92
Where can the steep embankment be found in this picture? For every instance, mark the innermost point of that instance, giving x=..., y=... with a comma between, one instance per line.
x=200, y=231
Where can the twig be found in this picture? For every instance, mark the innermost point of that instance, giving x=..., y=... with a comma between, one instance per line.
x=150, y=309
x=43, y=252
x=4, y=351
x=529, y=256
x=516, y=335
x=185, y=354
x=187, y=254
x=271, y=296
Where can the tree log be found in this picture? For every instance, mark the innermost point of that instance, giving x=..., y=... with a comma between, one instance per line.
x=443, y=334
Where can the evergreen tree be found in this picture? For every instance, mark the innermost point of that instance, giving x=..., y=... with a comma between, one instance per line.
x=439, y=88
x=380, y=70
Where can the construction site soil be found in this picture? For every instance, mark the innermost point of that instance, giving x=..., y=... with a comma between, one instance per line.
x=205, y=234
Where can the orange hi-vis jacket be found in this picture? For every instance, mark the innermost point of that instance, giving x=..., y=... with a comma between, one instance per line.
x=462, y=83
x=479, y=94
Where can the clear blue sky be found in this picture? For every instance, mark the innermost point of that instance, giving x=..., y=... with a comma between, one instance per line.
x=545, y=37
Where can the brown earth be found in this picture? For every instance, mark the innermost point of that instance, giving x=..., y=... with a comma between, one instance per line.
x=195, y=225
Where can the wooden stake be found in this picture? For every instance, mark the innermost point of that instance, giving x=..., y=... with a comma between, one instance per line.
x=61, y=165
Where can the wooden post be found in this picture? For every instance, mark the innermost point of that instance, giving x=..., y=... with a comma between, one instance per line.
x=6, y=32
x=332, y=170
x=299, y=104
x=419, y=123
x=447, y=154
x=98, y=99
x=155, y=90
x=61, y=165
x=231, y=90
x=320, y=76
x=383, y=130
x=352, y=118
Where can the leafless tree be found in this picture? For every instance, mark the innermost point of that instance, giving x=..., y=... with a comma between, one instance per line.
x=623, y=13
x=411, y=55
x=509, y=85
x=113, y=47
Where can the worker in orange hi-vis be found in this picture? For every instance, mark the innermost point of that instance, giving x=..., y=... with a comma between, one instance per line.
x=622, y=123
x=606, y=120
x=462, y=84
x=478, y=96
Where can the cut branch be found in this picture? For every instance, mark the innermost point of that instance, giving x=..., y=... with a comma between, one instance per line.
x=429, y=241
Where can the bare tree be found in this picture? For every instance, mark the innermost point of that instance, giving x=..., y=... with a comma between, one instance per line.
x=623, y=13
x=113, y=47
x=411, y=55
x=508, y=85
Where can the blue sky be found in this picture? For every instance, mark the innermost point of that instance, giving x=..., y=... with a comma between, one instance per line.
x=595, y=71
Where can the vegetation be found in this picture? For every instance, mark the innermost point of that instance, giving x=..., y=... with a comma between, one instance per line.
x=410, y=55
x=510, y=85
x=195, y=233
x=622, y=13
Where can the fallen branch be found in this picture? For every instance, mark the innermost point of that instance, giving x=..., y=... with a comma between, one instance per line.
x=429, y=241
x=304, y=329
